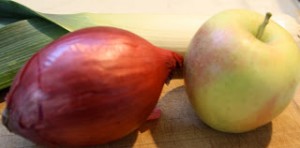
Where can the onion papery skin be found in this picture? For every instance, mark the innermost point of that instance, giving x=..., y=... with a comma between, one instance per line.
x=89, y=87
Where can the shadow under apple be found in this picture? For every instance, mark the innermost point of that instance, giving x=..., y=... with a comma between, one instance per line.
x=179, y=126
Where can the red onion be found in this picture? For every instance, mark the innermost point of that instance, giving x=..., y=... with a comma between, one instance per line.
x=89, y=87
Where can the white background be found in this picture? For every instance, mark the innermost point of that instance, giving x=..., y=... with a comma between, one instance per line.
x=204, y=7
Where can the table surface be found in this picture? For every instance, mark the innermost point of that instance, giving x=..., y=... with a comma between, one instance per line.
x=178, y=125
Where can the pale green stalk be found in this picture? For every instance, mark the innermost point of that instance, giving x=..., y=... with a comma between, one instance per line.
x=24, y=31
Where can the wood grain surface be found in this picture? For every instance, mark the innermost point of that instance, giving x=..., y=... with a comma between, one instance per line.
x=179, y=127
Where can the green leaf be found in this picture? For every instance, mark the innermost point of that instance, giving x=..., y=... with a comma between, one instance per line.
x=6, y=21
x=11, y=9
x=19, y=41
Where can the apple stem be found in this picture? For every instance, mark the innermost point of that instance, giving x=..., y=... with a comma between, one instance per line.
x=262, y=27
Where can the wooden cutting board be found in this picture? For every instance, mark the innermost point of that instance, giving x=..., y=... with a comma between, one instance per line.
x=179, y=127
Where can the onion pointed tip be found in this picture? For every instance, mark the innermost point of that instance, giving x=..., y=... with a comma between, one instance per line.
x=5, y=118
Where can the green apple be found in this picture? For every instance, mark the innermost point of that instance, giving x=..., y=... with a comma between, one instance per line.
x=241, y=71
